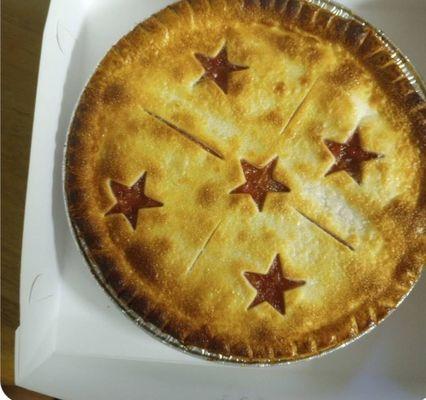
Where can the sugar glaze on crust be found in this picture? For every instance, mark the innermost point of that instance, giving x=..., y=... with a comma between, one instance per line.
x=298, y=80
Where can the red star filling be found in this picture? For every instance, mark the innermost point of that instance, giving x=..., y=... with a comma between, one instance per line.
x=131, y=199
x=218, y=68
x=259, y=182
x=349, y=156
x=271, y=286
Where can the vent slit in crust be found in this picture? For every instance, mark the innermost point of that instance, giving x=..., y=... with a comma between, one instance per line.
x=259, y=182
x=129, y=200
x=327, y=231
x=204, y=247
x=270, y=287
x=298, y=108
x=349, y=156
x=218, y=68
x=187, y=135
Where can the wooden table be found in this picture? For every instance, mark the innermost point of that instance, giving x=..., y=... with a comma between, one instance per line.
x=22, y=29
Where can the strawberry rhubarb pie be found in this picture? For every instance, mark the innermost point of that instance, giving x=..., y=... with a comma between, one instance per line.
x=247, y=178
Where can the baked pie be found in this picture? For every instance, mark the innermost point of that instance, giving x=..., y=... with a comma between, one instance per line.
x=247, y=178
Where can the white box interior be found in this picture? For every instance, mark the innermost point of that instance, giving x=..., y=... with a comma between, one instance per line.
x=73, y=342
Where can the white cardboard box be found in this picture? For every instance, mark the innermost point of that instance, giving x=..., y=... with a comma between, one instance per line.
x=74, y=343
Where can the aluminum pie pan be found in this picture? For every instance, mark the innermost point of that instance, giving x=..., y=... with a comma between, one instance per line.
x=416, y=82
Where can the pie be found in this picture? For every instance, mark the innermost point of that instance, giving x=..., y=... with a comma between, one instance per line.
x=247, y=178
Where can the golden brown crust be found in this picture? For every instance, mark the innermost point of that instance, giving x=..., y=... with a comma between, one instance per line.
x=145, y=110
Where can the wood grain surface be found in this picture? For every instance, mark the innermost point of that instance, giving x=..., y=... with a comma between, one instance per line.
x=22, y=29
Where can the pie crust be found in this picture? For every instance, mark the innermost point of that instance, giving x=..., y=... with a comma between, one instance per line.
x=249, y=177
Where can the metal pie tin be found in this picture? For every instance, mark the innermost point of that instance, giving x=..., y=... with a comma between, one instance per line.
x=418, y=86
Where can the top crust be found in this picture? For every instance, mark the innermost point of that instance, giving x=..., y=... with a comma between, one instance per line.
x=309, y=77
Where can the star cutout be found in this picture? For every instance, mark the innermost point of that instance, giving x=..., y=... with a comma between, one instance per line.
x=259, y=182
x=218, y=68
x=131, y=199
x=349, y=156
x=271, y=286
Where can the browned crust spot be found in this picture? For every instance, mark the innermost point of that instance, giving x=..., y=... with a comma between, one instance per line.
x=207, y=195
x=115, y=93
x=146, y=260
